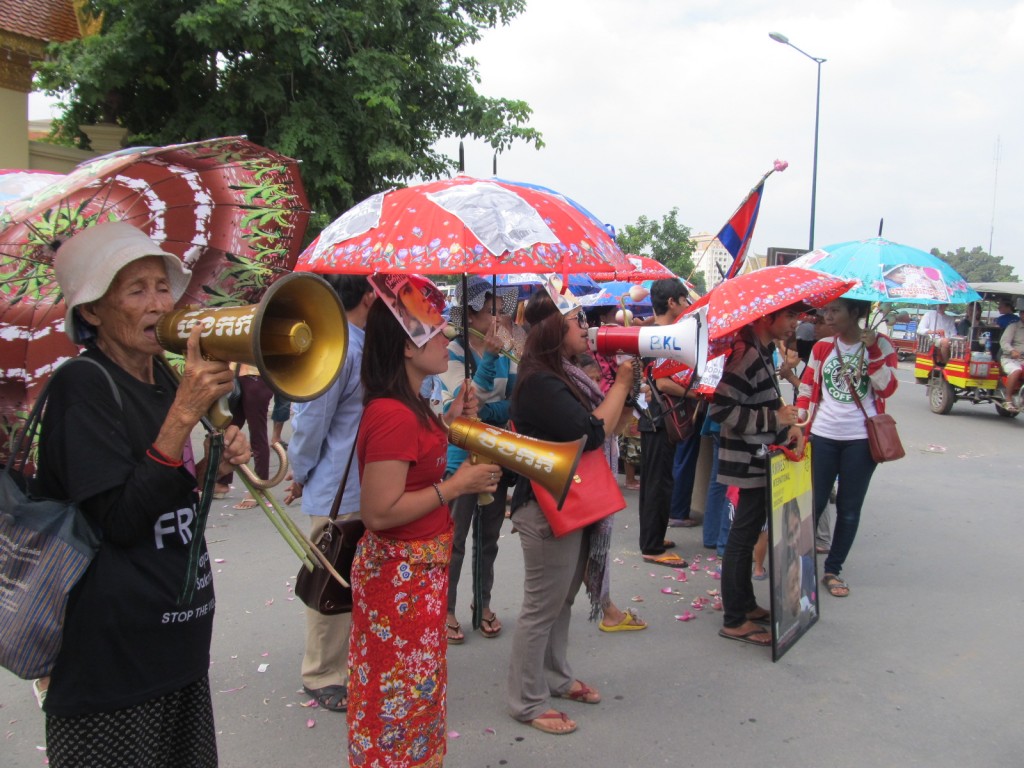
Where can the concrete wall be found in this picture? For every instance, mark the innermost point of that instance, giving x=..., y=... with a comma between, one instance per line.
x=13, y=118
x=51, y=157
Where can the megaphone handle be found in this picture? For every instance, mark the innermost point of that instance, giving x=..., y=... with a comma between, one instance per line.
x=483, y=499
x=220, y=414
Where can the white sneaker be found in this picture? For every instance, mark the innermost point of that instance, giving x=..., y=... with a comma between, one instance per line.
x=39, y=692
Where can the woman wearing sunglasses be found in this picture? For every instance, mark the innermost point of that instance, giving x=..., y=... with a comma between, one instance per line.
x=554, y=400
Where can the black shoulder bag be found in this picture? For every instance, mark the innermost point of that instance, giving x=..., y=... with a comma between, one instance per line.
x=318, y=589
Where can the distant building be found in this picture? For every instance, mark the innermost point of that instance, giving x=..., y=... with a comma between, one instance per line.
x=712, y=260
x=26, y=27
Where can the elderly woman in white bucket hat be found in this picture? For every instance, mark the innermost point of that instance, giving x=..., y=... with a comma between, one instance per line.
x=130, y=685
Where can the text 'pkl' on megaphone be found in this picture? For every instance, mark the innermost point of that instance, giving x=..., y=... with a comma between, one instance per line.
x=685, y=341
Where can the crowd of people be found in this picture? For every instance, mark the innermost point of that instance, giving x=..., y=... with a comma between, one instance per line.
x=383, y=425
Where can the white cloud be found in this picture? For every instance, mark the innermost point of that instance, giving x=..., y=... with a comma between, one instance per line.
x=656, y=104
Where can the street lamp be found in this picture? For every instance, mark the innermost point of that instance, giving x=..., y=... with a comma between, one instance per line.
x=778, y=37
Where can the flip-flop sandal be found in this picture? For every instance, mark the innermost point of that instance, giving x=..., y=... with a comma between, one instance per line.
x=552, y=714
x=584, y=694
x=748, y=637
x=835, y=586
x=455, y=636
x=490, y=627
x=672, y=560
x=760, y=616
x=761, y=576
x=246, y=504
x=630, y=623
x=333, y=698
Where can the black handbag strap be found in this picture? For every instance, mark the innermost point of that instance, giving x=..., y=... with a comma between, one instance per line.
x=344, y=481
x=27, y=435
x=666, y=403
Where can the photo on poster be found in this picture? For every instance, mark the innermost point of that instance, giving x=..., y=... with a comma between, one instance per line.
x=794, y=577
x=414, y=301
x=905, y=282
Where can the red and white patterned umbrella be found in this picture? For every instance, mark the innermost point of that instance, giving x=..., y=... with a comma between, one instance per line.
x=464, y=225
x=641, y=268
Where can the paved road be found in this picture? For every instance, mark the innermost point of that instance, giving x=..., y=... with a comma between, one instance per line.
x=918, y=667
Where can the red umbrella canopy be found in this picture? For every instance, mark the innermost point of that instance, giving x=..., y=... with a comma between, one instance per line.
x=233, y=211
x=464, y=225
x=34, y=343
x=741, y=300
x=641, y=268
x=744, y=298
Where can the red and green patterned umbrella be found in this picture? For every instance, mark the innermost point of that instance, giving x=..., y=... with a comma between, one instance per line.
x=233, y=211
x=464, y=225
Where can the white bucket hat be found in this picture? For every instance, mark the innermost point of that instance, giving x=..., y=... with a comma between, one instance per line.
x=88, y=262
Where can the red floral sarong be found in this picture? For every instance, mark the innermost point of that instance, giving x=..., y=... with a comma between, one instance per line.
x=397, y=662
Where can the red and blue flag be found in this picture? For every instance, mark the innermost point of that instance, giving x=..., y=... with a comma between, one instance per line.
x=736, y=234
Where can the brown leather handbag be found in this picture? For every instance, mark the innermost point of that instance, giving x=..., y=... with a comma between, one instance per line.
x=337, y=541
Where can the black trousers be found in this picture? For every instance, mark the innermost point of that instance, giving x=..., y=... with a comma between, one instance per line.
x=656, y=457
x=737, y=588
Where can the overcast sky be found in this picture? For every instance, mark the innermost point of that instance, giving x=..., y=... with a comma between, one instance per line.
x=646, y=105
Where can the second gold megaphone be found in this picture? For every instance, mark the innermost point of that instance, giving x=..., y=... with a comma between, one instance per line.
x=548, y=463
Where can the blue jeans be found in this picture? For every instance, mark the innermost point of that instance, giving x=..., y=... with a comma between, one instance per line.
x=684, y=471
x=716, y=520
x=850, y=461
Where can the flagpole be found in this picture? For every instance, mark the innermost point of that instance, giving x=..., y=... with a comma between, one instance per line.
x=778, y=165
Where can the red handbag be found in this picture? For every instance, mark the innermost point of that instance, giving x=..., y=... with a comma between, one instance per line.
x=593, y=495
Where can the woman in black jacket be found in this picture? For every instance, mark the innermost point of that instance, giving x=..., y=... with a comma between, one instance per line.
x=554, y=400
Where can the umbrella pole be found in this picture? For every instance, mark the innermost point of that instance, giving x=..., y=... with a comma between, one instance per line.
x=482, y=499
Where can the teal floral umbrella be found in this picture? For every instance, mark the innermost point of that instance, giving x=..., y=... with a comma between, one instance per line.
x=889, y=272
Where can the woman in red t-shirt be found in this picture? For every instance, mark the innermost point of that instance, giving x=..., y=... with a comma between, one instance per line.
x=398, y=671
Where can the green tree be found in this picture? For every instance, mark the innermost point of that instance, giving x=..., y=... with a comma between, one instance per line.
x=977, y=266
x=666, y=241
x=361, y=91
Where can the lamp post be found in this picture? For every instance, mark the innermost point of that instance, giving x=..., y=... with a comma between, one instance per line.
x=780, y=38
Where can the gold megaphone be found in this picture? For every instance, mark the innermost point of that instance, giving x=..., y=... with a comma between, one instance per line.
x=297, y=336
x=549, y=463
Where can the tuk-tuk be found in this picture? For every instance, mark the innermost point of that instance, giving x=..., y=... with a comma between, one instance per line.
x=903, y=334
x=972, y=372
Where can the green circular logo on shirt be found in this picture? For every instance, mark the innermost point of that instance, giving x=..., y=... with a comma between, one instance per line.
x=835, y=381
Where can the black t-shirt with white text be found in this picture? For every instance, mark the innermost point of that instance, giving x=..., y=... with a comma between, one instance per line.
x=126, y=641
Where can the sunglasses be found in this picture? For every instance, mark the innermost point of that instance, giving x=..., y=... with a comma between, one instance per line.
x=581, y=320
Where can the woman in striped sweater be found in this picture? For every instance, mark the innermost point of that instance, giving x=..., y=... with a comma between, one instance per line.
x=839, y=437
